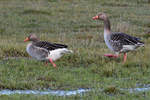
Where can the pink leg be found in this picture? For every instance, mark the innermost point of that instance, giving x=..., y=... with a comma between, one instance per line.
x=111, y=55
x=51, y=61
x=125, y=57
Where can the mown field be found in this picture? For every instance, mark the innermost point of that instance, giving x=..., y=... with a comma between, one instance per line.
x=70, y=22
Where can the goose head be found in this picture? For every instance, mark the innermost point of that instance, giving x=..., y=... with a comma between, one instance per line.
x=100, y=16
x=32, y=38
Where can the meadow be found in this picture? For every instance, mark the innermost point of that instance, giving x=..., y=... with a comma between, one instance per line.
x=70, y=22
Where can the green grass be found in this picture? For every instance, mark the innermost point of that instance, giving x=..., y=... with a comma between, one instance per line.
x=70, y=22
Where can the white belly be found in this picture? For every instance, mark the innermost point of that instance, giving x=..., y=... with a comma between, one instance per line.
x=127, y=48
x=56, y=54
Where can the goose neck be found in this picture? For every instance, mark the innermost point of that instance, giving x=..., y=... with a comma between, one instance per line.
x=107, y=27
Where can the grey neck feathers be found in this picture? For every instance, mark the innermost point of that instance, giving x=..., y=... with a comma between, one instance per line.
x=35, y=40
x=107, y=24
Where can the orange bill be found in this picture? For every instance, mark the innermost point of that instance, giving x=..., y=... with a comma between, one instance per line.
x=96, y=17
x=27, y=39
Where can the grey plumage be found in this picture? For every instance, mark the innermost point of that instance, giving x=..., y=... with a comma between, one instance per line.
x=43, y=50
x=49, y=46
x=119, y=40
x=37, y=52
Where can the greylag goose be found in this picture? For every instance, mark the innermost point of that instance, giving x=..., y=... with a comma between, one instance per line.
x=116, y=41
x=43, y=50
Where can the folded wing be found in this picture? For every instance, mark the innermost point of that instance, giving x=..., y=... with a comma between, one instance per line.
x=49, y=46
x=124, y=39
